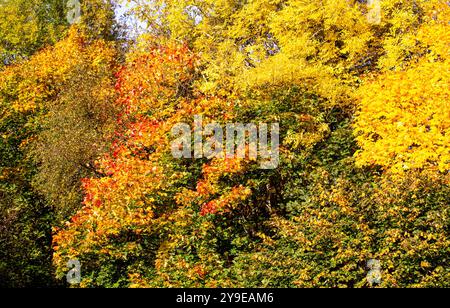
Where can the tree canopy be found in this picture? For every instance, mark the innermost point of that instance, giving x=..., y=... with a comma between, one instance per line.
x=86, y=134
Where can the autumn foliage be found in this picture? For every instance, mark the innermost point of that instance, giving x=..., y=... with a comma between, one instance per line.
x=364, y=166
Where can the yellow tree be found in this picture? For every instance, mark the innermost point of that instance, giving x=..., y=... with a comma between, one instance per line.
x=403, y=122
x=55, y=112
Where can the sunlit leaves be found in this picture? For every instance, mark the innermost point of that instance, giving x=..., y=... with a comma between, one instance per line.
x=404, y=117
x=149, y=219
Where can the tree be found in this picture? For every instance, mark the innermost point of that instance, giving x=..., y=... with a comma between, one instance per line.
x=118, y=223
x=403, y=121
x=26, y=26
x=54, y=100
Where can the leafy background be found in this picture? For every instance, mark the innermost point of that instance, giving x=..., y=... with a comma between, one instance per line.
x=86, y=170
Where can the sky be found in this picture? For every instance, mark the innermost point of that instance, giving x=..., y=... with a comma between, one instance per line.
x=134, y=26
